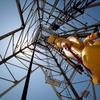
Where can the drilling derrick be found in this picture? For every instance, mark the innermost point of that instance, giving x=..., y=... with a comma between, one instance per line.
x=46, y=39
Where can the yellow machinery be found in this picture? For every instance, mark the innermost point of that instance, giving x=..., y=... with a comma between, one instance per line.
x=88, y=51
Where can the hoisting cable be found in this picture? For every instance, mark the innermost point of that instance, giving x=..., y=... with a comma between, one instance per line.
x=24, y=94
x=78, y=58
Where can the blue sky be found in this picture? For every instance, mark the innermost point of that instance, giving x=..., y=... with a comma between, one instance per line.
x=9, y=15
x=10, y=20
x=38, y=90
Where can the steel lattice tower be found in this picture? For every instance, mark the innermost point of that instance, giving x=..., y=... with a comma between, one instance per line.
x=27, y=49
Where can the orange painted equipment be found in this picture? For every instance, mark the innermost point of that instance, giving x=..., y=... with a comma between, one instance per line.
x=91, y=59
x=88, y=51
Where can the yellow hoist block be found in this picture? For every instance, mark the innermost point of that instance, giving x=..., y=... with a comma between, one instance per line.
x=58, y=42
x=51, y=39
x=87, y=50
x=91, y=59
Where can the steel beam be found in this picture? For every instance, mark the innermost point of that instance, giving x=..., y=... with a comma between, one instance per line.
x=10, y=33
x=66, y=78
x=24, y=94
x=14, y=54
x=20, y=12
x=40, y=65
x=83, y=28
x=58, y=18
x=15, y=84
x=97, y=4
x=61, y=12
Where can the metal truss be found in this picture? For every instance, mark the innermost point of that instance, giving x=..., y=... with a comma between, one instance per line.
x=26, y=50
